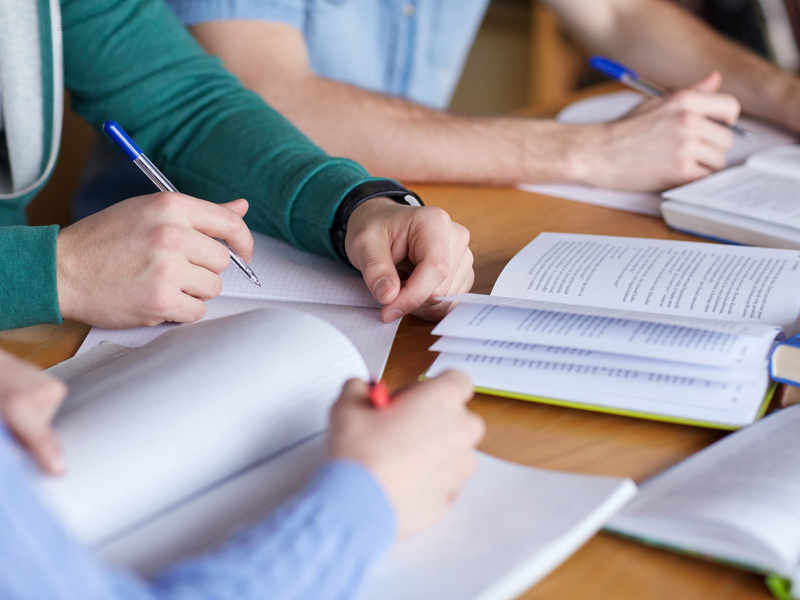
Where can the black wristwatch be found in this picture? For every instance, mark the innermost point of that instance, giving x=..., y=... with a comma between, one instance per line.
x=360, y=194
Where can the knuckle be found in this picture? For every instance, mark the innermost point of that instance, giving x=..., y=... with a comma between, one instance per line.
x=159, y=301
x=166, y=202
x=166, y=236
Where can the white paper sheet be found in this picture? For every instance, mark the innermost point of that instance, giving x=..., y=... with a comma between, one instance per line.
x=685, y=279
x=197, y=405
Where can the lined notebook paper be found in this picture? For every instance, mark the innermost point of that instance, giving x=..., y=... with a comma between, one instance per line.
x=295, y=280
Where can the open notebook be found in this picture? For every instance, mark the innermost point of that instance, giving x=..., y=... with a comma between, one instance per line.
x=678, y=331
x=291, y=279
x=174, y=445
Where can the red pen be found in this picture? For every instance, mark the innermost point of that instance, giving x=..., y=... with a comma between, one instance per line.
x=379, y=394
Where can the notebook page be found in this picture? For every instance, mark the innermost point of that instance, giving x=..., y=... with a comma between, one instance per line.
x=510, y=527
x=287, y=273
x=363, y=326
x=196, y=405
x=690, y=279
x=747, y=192
x=747, y=482
x=561, y=354
x=603, y=334
x=727, y=404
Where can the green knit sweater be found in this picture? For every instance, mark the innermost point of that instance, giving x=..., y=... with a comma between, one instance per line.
x=132, y=61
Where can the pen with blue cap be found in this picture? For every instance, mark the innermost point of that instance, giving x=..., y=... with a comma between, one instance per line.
x=123, y=140
x=629, y=77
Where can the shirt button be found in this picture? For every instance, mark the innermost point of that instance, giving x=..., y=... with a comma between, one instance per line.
x=408, y=10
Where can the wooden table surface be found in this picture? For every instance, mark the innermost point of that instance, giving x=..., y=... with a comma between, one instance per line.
x=502, y=221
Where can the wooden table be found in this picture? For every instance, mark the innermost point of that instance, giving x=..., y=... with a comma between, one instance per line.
x=502, y=221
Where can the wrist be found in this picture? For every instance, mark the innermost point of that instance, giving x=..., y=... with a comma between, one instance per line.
x=561, y=153
x=384, y=190
x=63, y=269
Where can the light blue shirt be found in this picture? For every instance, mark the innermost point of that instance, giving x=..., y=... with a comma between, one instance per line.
x=415, y=49
x=318, y=545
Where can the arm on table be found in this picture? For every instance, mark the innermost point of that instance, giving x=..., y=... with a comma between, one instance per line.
x=397, y=138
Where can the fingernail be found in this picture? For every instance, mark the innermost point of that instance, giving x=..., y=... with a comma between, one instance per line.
x=393, y=315
x=383, y=287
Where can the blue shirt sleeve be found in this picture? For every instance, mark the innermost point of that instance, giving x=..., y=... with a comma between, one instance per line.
x=192, y=12
x=317, y=545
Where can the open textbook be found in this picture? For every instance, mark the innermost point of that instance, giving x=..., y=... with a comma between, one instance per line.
x=736, y=501
x=175, y=445
x=610, y=107
x=290, y=279
x=679, y=331
x=757, y=204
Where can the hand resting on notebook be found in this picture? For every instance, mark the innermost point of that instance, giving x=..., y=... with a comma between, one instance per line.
x=148, y=260
x=385, y=238
x=29, y=398
x=420, y=449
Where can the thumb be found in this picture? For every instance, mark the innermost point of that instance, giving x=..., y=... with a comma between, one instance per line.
x=239, y=206
x=710, y=84
x=379, y=272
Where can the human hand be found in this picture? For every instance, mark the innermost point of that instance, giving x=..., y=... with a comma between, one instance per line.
x=385, y=238
x=28, y=400
x=663, y=142
x=147, y=260
x=420, y=449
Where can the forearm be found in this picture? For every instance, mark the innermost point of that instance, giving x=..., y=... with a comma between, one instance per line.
x=317, y=545
x=671, y=47
x=390, y=136
x=395, y=138
x=213, y=138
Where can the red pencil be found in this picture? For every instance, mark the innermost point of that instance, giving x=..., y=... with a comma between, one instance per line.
x=379, y=394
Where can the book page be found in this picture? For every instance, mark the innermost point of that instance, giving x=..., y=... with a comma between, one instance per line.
x=363, y=326
x=603, y=334
x=747, y=192
x=689, y=279
x=726, y=404
x=736, y=499
x=287, y=273
x=510, y=526
x=593, y=358
x=193, y=407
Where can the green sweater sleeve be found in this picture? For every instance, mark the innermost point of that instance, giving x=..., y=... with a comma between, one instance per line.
x=29, y=265
x=132, y=61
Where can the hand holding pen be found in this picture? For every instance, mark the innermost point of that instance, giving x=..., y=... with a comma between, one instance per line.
x=118, y=135
x=629, y=77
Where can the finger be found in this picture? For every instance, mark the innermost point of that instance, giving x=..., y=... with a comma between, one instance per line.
x=430, y=273
x=224, y=223
x=206, y=252
x=715, y=135
x=184, y=308
x=354, y=393
x=450, y=386
x=709, y=84
x=201, y=283
x=722, y=107
x=434, y=310
x=29, y=415
x=711, y=157
x=239, y=206
x=373, y=257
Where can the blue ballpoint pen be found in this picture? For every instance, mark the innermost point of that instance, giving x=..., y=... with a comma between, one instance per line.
x=123, y=140
x=623, y=74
